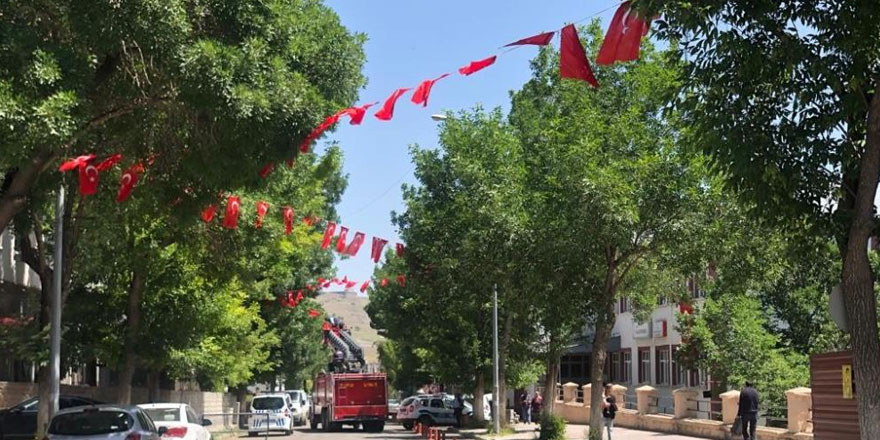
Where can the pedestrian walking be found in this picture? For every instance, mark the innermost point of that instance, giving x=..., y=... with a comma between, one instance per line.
x=537, y=404
x=525, y=407
x=609, y=409
x=457, y=408
x=748, y=411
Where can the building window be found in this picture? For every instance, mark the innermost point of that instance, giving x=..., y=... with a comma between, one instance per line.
x=679, y=375
x=661, y=301
x=624, y=305
x=645, y=365
x=626, y=369
x=615, y=367
x=663, y=359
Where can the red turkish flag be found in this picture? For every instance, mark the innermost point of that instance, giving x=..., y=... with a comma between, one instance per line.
x=350, y=284
x=108, y=163
x=401, y=279
x=340, y=242
x=355, y=244
x=309, y=220
x=378, y=245
x=319, y=130
x=208, y=213
x=233, y=210
x=572, y=58
x=127, y=182
x=88, y=179
x=357, y=113
x=399, y=248
x=384, y=282
x=387, y=111
x=299, y=296
x=326, y=326
x=267, y=169
x=536, y=40
x=364, y=286
x=624, y=36
x=314, y=313
x=75, y=163
x=329, y=230
x=321, y=280
x=326, y=285
x=287, y=212
x=262, y=209
x=423, y=91
x=476, y=66
x=290, y=301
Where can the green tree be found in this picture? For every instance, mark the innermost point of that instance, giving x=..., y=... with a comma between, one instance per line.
x=783, y=97
x=625, y=187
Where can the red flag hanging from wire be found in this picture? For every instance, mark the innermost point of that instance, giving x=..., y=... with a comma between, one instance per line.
x=108, y=163
x=357, y=113
x=88, y=179
x=378, y=245
x=76, y=162
x=262, y=209
x=267, y=169
x=287, y=213
x=387, y=110
x=233, y=210
x=350, y=284
x=401, y=279
x=319, y=130
x=384, y=282
x=364, y=286
x=423, y=91
x=127, y=182
x=309, y=220
x=624, y=37
x=329, y=230
x=476, y=66
x=340, y=241
x=355, y=244
x=399, y=249
x=314, y=313
x=572, y=58
x=208, y=213
x=536, y=40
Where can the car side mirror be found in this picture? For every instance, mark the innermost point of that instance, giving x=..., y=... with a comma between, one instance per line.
x=162, y=430
x=302, y=402
x=206, y=422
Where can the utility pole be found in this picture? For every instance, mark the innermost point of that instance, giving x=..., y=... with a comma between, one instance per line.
x=496, y=416
x=55, y=307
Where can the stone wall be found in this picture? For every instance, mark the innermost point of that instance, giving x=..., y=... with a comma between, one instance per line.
x=203, y=402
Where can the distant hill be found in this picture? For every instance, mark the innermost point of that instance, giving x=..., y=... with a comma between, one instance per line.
x=352, y=309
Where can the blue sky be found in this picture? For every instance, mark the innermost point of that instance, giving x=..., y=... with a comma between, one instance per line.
x=413, y=40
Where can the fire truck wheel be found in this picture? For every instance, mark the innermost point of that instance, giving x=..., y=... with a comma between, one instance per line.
x=325, y=421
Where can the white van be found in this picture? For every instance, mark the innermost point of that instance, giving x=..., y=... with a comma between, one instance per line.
x=301, y=406
x=271, y=412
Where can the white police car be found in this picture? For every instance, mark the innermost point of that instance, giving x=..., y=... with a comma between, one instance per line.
x=429, y=409
x=271, y=412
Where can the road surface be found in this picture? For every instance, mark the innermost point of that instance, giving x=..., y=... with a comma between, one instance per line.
x=392, y=431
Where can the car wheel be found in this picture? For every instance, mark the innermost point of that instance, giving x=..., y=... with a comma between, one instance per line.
x=426, y=420
x=325, y=421
x=252, y=434
x=407, y=425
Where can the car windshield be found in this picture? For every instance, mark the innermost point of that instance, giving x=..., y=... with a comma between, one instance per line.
x=296, y=396
x=261, y=403
x=392, y=401
x=407, y=401
x=91, y=423
x=163, y=414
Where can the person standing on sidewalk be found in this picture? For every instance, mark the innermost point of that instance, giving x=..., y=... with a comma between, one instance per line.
x=525, y=407
x=609, y=409
x=457, y=408
x=537, y=404
x=748, y=411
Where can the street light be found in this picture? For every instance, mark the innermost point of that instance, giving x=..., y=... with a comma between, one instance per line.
x=439, y=117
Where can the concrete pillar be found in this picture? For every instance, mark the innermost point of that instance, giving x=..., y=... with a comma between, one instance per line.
x=588, y=388
x=619, y=393
x=683, y=401
x=645, y=397
x=799, y=405
x=569, y=392
x=729, y=406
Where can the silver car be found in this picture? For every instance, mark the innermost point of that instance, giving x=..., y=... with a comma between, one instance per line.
x=103, y=422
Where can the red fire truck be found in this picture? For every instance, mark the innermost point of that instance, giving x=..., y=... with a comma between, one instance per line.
x=345, y=395
x=357, y=399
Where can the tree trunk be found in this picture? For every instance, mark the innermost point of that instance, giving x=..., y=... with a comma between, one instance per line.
x=550, y=383
x=153, y=387
x=479, y=393
x=858, y=282
x=15, y=197
x=132, y=324
x=604, y=324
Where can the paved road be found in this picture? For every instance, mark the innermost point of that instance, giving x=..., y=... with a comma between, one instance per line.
x=392, y=431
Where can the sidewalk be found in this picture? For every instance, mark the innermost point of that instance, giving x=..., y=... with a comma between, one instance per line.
x=572, y=432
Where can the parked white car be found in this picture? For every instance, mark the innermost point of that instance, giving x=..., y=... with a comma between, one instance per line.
x=301, y=406
x=102, y=422
x=179, y=420
x=429, y=409
x=271, y=412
